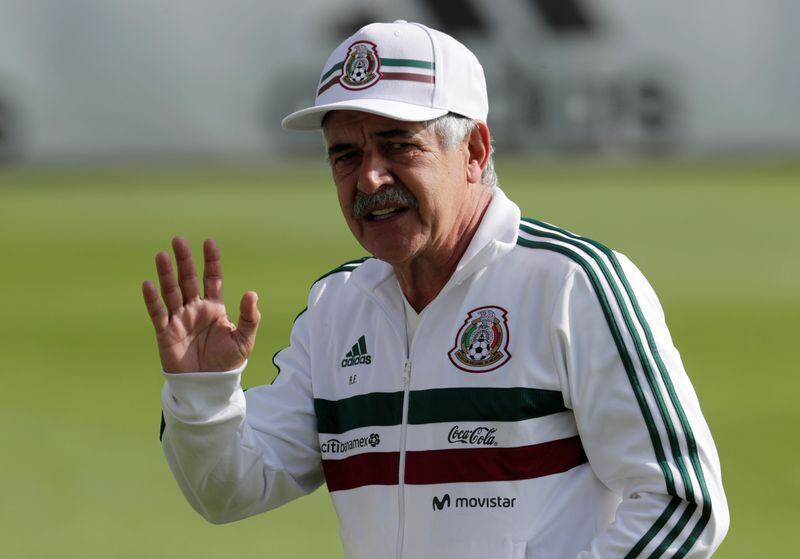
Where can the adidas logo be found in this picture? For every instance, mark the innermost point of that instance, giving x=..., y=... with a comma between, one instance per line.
x=358, y=354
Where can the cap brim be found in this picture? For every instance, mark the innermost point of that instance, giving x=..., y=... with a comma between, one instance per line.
x=311, y=118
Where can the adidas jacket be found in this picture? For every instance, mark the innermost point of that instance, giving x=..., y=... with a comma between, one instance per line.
x=541, y=412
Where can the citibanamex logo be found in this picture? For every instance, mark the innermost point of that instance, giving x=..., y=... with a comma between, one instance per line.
x=479, y=436
x=337, y=446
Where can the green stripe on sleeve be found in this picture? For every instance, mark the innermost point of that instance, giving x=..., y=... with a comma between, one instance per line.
x=676, y=530
x=691, y=442
x=643, y=359
x=655, y=528
x=621, y=349
x=346, y=267
x=698, y=529
x=570, y=238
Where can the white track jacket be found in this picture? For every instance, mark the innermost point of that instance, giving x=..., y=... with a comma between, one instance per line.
x=541, y=412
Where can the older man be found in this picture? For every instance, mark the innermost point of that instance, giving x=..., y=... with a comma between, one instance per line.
x=486, y=386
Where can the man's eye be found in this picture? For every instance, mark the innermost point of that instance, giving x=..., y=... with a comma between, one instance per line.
x=344, y=158
x=401, y=146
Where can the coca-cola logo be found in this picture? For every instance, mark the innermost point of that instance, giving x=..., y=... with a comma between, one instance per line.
x=483, y=436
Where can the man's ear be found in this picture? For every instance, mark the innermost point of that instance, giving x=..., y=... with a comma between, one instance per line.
x=479, y=148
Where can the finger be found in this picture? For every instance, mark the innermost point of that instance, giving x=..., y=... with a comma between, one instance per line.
x=249, y=318
x=212, y=270
x=157, y=312
x=187, y=275
x=169, y=286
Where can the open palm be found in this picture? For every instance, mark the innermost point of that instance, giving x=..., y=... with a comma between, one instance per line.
x=194, y=334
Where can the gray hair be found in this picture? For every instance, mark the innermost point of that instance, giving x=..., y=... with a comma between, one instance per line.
x=452, y=129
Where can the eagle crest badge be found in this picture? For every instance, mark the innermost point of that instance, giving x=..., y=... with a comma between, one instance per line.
x=481, y=344
x=361, y=67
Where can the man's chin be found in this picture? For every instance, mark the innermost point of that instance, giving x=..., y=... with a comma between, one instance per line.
x=394, y=253
x=395, y=242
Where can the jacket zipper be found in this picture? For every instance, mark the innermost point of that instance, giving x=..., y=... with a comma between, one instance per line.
x=402, y=469
x=404, y=425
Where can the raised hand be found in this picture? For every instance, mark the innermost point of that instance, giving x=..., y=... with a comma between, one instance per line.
x=194, y=334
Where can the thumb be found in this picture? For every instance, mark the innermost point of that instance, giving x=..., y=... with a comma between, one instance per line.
x=249, y=317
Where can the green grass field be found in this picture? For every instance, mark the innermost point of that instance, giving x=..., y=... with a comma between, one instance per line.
x=82, y=471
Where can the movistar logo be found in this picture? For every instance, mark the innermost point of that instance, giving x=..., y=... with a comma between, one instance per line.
x=439, y=504
x=473, y=502
x=358, y=355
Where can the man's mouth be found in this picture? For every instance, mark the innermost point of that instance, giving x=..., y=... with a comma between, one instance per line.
x=384, y=213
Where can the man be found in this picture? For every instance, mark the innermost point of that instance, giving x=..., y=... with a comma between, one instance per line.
x=486, y=386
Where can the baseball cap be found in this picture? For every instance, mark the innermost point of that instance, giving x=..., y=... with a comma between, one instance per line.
x=401, y=70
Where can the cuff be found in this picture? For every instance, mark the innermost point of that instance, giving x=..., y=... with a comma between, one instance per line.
x=198, y=397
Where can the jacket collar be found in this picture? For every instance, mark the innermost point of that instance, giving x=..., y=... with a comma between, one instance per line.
x=496, y=235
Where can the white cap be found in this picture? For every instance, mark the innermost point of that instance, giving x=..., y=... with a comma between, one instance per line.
x=400, y=70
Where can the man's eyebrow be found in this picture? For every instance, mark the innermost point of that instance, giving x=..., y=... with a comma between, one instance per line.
x=393, y=133
x=338, y=148
x=384, y=134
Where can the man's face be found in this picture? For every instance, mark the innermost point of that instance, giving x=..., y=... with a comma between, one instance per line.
x=402, y=194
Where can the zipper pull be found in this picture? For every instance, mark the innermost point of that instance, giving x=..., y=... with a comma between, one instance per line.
x=406, y=372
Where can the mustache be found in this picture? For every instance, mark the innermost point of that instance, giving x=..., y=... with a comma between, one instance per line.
x=388, y=195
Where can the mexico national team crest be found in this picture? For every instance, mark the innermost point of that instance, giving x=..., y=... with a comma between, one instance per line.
x=482, y=342
x=361, y=67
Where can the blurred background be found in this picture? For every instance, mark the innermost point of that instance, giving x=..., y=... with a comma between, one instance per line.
x=668, y=130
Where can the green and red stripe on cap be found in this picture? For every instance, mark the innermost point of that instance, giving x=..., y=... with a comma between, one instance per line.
x=404, y=69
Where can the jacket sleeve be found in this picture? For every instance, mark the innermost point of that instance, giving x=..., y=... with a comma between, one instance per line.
x=236, y=454
x=637, y=415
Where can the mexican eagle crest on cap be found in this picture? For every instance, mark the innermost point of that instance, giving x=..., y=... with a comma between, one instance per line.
x=481, y=344
x=361, y=67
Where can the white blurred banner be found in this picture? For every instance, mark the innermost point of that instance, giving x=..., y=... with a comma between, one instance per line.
x=174, y=78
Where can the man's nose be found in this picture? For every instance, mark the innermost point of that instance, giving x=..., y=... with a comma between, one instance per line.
x=374, y=173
